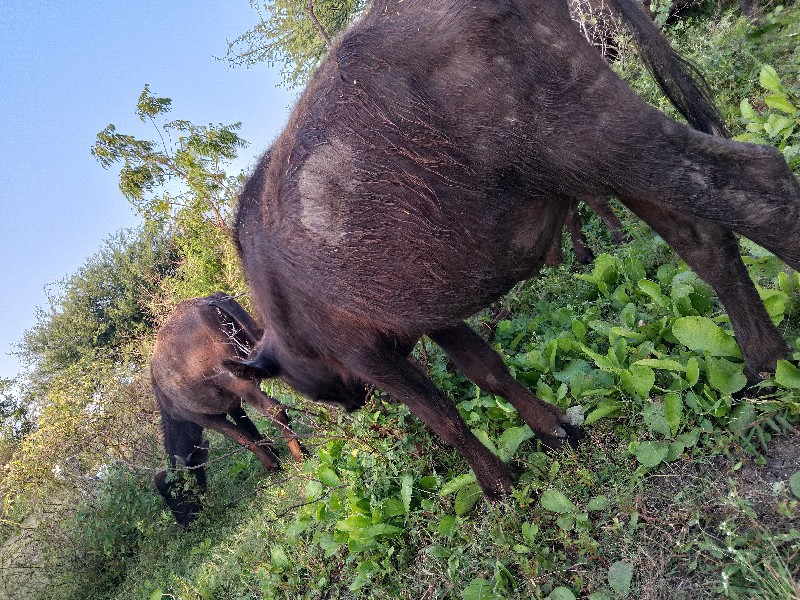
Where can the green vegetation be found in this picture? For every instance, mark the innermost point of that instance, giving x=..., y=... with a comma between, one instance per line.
x=687, y=485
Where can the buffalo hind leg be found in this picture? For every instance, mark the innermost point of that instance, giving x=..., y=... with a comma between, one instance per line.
x=242, y=437
x=405, y=381
x=582, y=253
x=483, y=366
x=601, y=207
x=712, y=251
x=275, y=412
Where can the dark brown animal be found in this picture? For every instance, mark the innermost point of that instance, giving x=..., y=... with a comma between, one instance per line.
x=429, y=166
x=195, y=391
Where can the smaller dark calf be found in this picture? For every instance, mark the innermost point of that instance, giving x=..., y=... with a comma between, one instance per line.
x=195, y=390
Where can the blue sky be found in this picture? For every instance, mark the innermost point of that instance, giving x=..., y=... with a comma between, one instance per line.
x=68, y=70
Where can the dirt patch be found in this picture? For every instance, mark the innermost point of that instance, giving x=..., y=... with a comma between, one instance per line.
x=764, y=486
x=692, y=506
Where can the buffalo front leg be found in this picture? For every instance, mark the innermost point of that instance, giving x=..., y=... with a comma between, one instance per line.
x=241, y=436
x=275, y=412
x=483, y=366
x=712, y=251
x=405, y=381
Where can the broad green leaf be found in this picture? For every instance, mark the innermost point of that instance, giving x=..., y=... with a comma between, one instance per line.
x=466, y=498
x=643, y=378
x=605, y=408
x=601, y=360
x=742, y=416
x=364, y=574
x=692, y=371
x=550, y=351
x=566, y=521
x=598, y=503
x=156, y=595
x=655, y=420
x=651, y=454
x=447, y=525
x=787, y=375
x=329, y=477
x=702, y=334
x=786, y=283
x=278, y=557
x=513, y=437
x=406, y=488
x=428, y=483
x=725, y=376
x=483, y=436
x=673, y=411
x=457, y=483
x=780, y=102
x=555, y=501
x=751, y=136
x=794, y=483
x=353, y=523
x=768, y=78
x=778, y=125
x=747, y=110
x=620, y=575
x=652, y=289
x=561, y=593
x=775, y=302
x=392, y=507
x=529, y=531
x=479, y=589
x=675, y=451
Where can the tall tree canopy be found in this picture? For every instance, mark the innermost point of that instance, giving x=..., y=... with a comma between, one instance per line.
x=288, y=36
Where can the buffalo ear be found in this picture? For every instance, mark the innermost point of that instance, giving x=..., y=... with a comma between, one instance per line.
x=259, y=368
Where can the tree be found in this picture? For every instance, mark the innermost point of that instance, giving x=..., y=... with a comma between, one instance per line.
x=289, y=36
x=101, y=308
x=185, y=186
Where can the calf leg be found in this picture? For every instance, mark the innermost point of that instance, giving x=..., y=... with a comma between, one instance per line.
x=482, y=365
x=239, y=416
x=713, y=252
x=276, y=413
x=239, y=435
x=405, y=381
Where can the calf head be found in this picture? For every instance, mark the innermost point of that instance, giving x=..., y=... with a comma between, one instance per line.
x=181, y=495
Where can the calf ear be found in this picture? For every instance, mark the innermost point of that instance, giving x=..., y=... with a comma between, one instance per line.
x=259, y=368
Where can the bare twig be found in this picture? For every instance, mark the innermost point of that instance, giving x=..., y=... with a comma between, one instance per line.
x=322, y=33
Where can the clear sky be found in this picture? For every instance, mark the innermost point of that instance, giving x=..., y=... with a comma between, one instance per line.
x=68, y=69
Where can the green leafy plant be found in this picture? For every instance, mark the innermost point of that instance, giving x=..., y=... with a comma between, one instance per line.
x=778, y=123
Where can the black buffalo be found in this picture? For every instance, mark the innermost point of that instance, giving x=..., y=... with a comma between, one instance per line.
x=429, y=166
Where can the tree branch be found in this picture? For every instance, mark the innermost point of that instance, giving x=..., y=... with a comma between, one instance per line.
x=320, y=28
